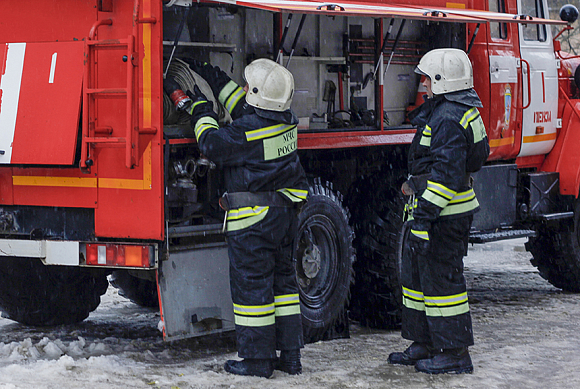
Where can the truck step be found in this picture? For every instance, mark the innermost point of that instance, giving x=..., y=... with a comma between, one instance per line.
x=485, y=237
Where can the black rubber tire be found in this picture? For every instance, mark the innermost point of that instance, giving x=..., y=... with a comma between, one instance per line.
x=140, y=291
x=556, y=253
x=38, y=295
x=324, y=259
x=377, y=206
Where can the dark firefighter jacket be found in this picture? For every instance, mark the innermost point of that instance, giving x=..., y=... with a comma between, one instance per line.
x=450, y=143
x=257, y=152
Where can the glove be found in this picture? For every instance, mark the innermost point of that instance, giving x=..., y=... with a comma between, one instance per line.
x=418, y=240
x=215, y=77
x=200, y=106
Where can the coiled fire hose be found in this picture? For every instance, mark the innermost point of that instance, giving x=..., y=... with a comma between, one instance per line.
x=187, y=79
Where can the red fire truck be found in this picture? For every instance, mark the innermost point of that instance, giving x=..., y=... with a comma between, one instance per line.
x=101, y=179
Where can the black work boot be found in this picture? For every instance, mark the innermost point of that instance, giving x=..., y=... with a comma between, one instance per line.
x=256, y=367
x=289, y=362
x=455, y=360
x=414, y=353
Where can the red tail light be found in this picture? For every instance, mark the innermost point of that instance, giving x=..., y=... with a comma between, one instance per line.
x=109, y=254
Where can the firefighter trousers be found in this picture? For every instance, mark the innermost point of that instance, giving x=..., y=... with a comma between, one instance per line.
x=264, y=287
x=435, y=306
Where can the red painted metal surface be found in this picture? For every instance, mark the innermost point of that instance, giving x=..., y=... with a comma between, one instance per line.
x=49, y=107
x=339, y=140
x=128, y=202
x=564, y=157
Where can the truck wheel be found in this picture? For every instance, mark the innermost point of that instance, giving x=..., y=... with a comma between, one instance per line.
x=139, y=290
x=556, y=253
x=324, y=258
x=35, y=294
x=378, y=211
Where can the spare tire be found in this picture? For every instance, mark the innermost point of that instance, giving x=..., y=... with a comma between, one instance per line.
x=35, y=294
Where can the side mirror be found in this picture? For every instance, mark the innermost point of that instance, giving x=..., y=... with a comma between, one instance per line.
x=569, y=13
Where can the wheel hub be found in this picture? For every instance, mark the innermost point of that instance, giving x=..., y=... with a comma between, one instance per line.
x=311, y=262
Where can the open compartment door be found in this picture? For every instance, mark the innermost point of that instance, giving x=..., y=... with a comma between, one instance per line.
x=40, y=99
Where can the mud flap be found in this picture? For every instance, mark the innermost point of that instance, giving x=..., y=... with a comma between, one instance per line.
x=194, y=293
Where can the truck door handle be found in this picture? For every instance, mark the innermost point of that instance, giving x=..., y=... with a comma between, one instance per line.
x=529, y=83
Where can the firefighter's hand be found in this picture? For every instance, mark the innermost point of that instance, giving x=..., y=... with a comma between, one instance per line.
x=215, y=77
x=201, y=107
x=418, y=240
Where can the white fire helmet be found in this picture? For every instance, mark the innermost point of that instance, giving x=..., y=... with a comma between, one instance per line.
x=270, y=85
x=449, y=70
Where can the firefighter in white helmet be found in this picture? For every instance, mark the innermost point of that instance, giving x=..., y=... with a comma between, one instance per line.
x=450, y=143
x=265, y=187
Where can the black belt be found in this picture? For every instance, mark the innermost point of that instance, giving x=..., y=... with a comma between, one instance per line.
x=250, y=199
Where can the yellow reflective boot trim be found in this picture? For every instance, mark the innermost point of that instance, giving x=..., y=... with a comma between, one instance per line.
x=287, y=305
x=250, y=321
x=254, y=315
x=413, y=299
x=238, y=219
x=445, y=306
x=254, y=310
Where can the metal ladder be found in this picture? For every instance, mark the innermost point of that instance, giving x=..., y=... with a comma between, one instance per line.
x=90, y=134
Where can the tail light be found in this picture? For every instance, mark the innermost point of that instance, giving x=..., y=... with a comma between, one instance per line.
x=109, y=254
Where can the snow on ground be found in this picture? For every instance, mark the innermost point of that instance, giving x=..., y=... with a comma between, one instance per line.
x=526, y=335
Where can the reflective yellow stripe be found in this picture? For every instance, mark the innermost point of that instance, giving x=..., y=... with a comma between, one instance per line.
x=441, y=189
x=241, y=213
x=254, y=309
x=412, y=304
x=248, y=321
x=288, y=310
x=446, y=300
x=203, y=124
x=456, y=209
x=234, y=98
x=463, y=196
x=478, y=129
x=468, y=117
x=426, y=137
x=413, y=293
x=268, y=132
x=247, y=217
x=435, y=199
x=227, y=91
x=420, y=234
x=296, y=195
x=473, y=119
x=436, y=311
x=287, y=299
x=281, y=145
x=73, y=182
